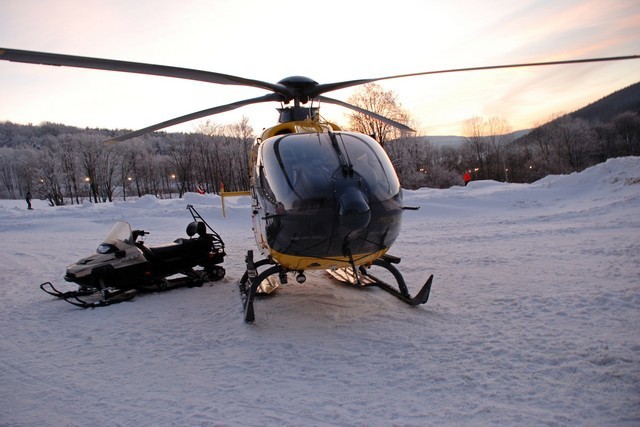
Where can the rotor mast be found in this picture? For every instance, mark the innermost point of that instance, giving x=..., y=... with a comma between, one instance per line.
x=299, y=86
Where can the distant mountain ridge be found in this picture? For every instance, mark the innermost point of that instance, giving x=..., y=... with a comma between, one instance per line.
x=600, y=111
x=456, y=141
x=603, y=110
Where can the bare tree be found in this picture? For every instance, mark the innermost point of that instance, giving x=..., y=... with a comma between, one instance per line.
x=8, y=173
x=408, y=156
x=223, y=154
x=485, y=143
x=107, y=172
x=573, y=141
x=142, y=162
x=209, y=155
x=68, y=159
x=244, y=134
x=125, y=157
x=182, y=156
x=90, y=153
x=476, y=145
x=374, y=98
x=420, y=164
x=627, y=127
x=498, y=136
x=48, y=176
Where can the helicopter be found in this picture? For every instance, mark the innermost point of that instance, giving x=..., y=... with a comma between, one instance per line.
x=322, y=198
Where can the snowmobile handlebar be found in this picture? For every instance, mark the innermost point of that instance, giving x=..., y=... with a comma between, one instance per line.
x=137, y=233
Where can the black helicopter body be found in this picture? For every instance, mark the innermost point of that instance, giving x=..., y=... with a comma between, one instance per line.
x=322, y=198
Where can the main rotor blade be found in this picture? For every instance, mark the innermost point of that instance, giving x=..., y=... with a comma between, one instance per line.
x=376, y=116
x=328, y=87
x=31, y=57
x=197, y=115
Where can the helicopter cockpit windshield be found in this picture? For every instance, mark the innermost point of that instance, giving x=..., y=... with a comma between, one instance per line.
x=302, y=168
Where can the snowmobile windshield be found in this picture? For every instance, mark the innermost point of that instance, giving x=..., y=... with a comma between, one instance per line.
x=120, y=233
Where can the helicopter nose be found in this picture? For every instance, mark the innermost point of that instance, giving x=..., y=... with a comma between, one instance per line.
x=353, y=209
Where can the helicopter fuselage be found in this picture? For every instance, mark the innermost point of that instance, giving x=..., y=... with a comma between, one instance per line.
x=323, y=198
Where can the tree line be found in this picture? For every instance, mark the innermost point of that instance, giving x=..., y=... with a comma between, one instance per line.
x=566, y=143
x=489, y=150
x=68, y=165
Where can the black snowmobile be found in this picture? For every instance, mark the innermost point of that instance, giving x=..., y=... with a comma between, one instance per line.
x=123, y=266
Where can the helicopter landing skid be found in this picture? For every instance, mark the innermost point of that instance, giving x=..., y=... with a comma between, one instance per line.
x=362, y=278
x=254, y=283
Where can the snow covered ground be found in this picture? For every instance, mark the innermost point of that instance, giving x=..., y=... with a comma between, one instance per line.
x=534, y=319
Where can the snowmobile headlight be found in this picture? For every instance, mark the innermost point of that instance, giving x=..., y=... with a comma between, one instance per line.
x=106, y=248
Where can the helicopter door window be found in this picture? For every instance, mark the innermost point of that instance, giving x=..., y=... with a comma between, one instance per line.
x=370, y=162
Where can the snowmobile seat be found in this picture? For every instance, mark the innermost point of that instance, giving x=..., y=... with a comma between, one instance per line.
x=160, y=253
x=171, y=251
x=196, y=227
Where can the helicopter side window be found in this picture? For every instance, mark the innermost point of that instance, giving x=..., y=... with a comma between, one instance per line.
x=371, y=162
x=298, y=169
x=269, y=175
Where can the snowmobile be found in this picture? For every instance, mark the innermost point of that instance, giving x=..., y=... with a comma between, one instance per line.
x=124, y=266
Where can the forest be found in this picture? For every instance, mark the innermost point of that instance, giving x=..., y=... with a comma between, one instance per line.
x=68, y=165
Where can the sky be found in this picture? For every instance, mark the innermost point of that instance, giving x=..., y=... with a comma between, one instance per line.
x=328, y=41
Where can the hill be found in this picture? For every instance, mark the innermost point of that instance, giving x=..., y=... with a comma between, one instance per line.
x=456, y=141
x=605, y=109
x=601, y=111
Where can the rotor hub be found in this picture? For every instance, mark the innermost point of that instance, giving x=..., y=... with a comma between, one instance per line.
x=300, y=87
x=298, y=83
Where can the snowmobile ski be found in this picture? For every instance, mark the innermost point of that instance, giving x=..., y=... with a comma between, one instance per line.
x=51, y=290
x=91, y=298
x=75, y=297
x=113, y=298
